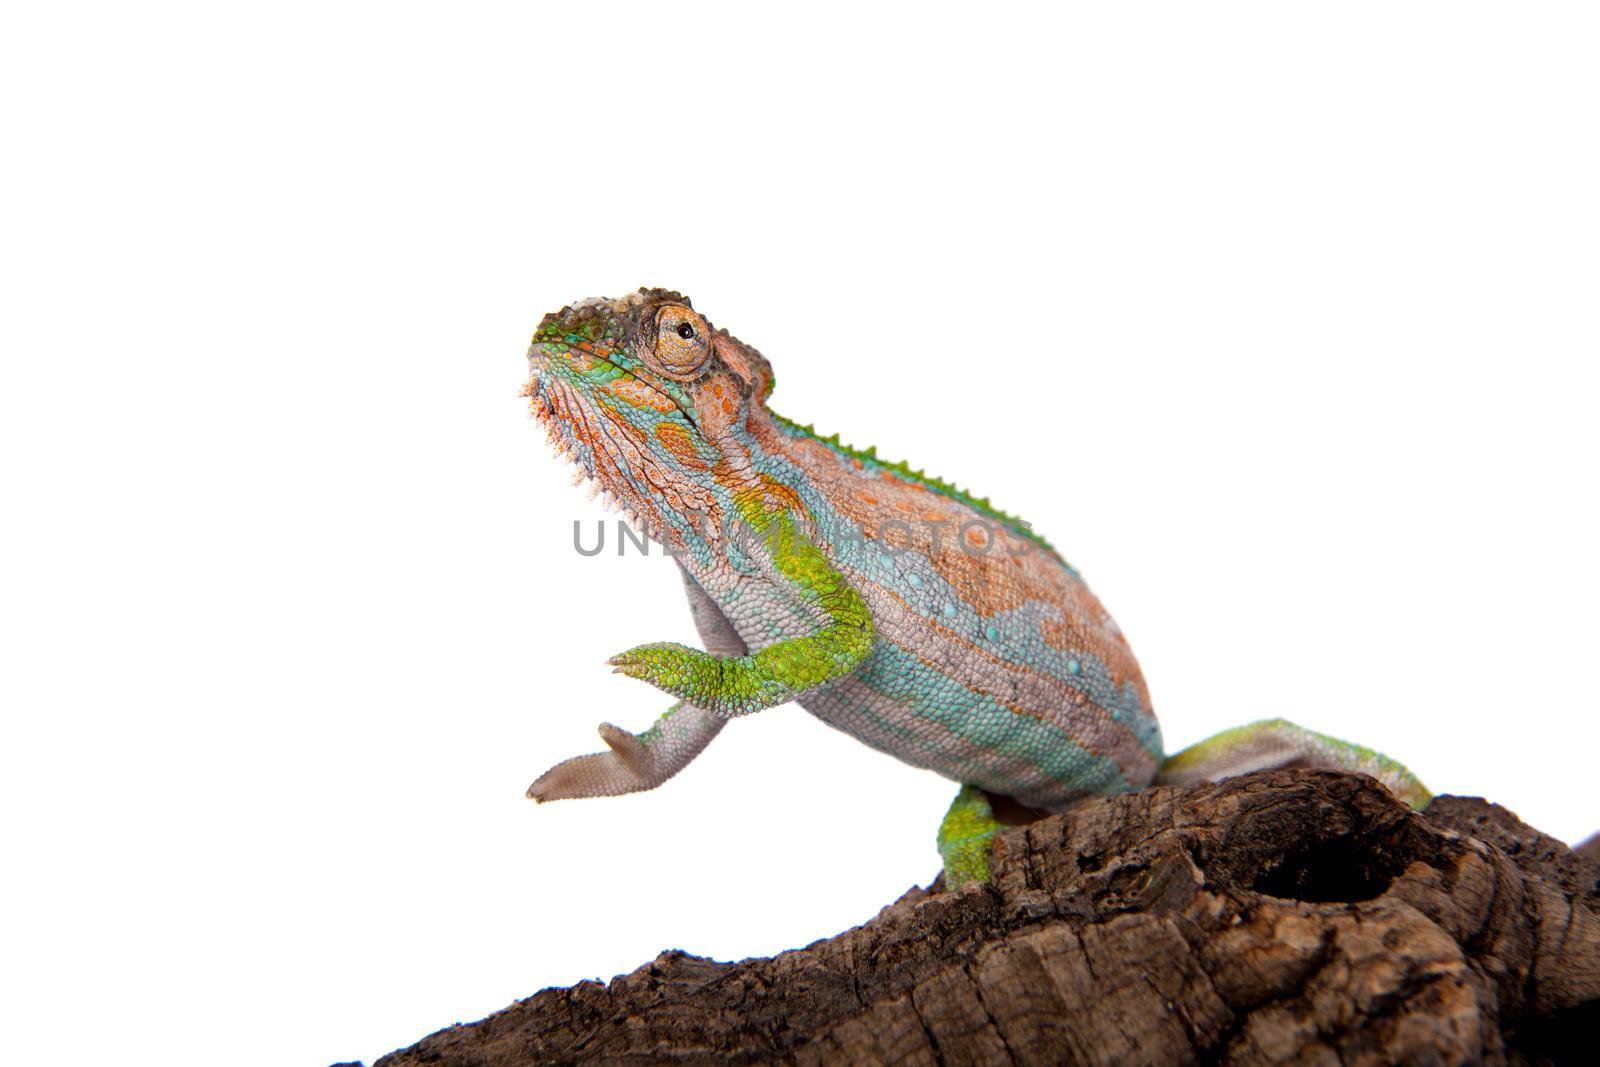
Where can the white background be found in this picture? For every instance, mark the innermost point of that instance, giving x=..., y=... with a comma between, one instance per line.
x=1281, y=323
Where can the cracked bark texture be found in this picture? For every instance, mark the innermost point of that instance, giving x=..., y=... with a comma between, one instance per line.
x=1295, y=916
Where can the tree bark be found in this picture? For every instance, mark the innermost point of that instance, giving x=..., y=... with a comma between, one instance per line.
x=1282, y=917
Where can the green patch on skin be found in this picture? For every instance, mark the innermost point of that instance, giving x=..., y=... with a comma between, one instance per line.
x=1210, y=756
x=946, y=489
x=653, y=733
x=780, y=672
x=965, y=837
x=618, y=364
x=593, y=330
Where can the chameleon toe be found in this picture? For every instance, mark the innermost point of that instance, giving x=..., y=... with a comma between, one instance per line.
x=628, y=748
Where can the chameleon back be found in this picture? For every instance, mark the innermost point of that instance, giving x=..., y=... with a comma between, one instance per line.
x=995, y=664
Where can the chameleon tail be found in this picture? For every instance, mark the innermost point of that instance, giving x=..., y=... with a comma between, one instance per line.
x=1278, y=743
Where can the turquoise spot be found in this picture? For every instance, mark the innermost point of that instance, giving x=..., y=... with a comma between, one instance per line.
x=914, y=578
x=887, y=561
x=950, y=611
x=1074, y=667
x=992, y=633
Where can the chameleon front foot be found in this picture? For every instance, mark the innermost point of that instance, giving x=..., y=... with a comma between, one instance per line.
x=631, y=762
x=624, y=768
x=724, y=686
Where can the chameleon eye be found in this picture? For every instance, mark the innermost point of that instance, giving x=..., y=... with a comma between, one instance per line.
x=682, y=347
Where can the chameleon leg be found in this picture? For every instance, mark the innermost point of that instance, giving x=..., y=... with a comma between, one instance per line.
x=780, y=672
x=965, y=836
x=1279, y=743
x=634, y=762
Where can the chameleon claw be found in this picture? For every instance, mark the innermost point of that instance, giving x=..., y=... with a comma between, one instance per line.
x=627, y=662
x=629, y=749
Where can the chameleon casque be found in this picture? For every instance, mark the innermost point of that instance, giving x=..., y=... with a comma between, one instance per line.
x=893, y=606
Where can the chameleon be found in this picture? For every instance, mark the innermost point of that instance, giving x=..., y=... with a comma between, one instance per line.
x=892, y=605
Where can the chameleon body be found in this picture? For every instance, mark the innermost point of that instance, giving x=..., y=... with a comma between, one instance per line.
x=891, y=605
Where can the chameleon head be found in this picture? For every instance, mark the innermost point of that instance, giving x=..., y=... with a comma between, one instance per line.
x=644, y=396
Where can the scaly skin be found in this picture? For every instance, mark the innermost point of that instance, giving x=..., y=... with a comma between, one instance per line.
x=892, y=605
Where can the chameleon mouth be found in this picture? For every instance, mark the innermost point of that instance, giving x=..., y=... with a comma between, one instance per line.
x=577, y=432
x=580, y=398
x=628, y=383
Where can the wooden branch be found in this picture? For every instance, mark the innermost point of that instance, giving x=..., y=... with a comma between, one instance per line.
x=1280, y=917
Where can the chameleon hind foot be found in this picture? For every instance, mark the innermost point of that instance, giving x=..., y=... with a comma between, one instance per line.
x=965, y=837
